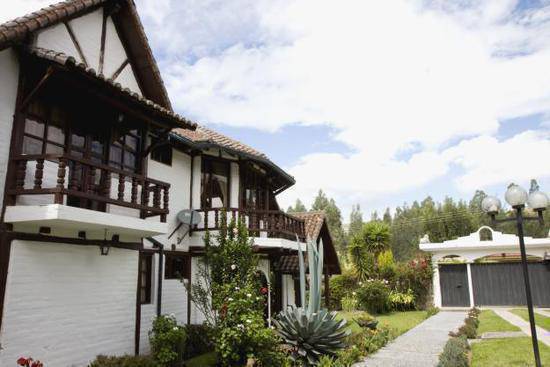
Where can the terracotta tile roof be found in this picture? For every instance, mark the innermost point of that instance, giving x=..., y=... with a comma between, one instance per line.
x=69, y=61
x=313, y=222
x=17, y=30
x=205, y=135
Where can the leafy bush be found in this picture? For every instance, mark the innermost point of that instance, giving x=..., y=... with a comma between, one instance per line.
x=198, y=341
x=455, y=353
x=366, y=322
x=415, y=275
x=123, y=361
x=373, y=296
x=386, y=265
x=167, y=341
x=341, y=286
x=401, y=301
x=431, y=311
x=469, y=328
x=350, y=303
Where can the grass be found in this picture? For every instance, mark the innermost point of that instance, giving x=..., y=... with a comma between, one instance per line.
x=490, y=321
x=399, y=321
x=204, y=360
x=511, y=352
x=540, y=320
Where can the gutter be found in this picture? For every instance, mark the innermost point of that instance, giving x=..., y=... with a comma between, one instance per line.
x=160, y=276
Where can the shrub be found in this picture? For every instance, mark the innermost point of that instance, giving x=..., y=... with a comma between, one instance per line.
x=415, y=275
x=401, y=301
x=198, y=341
x=455, y=353
x=123, y=361
x=469, y=328
x=373, y=297
x=431, y=311
x=29, y=362
x=386, y=265
x=350, y=303
x=341, y=286
x=366, y=322
x=167, y=341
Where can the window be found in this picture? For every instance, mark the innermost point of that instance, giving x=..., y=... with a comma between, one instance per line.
x=176, y=266
x=145, y=275
x=124, y=152
x=214, y=183
x=44, y=130
x=162, y=153
x=255, y=189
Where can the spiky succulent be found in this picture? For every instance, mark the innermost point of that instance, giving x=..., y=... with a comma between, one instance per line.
x=311, y=331
x=311, y=335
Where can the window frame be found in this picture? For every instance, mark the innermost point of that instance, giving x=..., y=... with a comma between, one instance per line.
x=145, y=293
x=169, y=268
x=47, y=122
x=158, y=153
x=206, y=168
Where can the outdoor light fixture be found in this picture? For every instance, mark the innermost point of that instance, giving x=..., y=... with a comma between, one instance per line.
x=517, y=197
x=105, y=246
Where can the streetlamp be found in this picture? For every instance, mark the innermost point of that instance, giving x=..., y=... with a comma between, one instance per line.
x=517, y=197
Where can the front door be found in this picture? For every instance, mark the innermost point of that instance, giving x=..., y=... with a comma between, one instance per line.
x=453, y=279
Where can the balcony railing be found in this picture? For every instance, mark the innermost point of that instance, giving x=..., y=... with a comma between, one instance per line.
x=81, y=182
x=260, y=223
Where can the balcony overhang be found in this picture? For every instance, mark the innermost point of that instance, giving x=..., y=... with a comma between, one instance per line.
x=72, y=218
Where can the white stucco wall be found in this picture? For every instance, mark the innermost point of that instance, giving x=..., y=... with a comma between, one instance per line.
x=87, y=31
x=65, y=304
x=8, y=93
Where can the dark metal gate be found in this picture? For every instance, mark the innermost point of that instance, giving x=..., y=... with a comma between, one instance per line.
x=453, y=280
x=501, y=284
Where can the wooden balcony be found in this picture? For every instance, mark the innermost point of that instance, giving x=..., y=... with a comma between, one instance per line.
x=260, y=223
x=64, y=179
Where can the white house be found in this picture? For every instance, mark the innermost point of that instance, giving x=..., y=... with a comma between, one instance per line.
x=95, y=167
x=484, y=269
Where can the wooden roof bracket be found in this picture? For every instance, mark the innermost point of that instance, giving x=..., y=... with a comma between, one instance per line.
x=36, y=88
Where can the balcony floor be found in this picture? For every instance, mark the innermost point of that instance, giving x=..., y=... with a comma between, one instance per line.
x=68, y=217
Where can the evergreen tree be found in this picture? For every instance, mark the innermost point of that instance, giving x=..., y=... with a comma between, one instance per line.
x=355, y=221
x=334, y=219
x=387, y=217
x=298, y=207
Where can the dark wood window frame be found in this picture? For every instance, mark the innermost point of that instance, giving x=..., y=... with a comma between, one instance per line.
x=252, y=179
x=43, y=121
x=162, y=153
x=206, y=169
x=145, y=278
x=176, y=266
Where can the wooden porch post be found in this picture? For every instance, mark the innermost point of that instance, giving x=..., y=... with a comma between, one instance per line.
x=327, y=287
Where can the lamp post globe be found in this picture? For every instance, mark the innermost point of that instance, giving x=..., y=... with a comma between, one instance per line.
x=491, y=205
x=538, y=200
x=516, y=196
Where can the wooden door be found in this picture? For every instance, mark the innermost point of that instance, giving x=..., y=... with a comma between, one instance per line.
x=453, y=280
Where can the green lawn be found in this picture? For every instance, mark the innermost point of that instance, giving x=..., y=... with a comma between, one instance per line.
x=540, y=320
x=512, y=352
x=490, y=321
x=204, y=360
x=400, y=322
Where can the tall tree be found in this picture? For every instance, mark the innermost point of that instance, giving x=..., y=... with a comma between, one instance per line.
x=355, y=221
x=298, y=207
x=387, y=217
x=334, y=219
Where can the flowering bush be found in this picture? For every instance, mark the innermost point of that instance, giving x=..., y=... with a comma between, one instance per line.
x=350, y=303
x=238, y=300
x=29, y=362
x=373, y=296
x=415, y=275
x=341, y=286
x=167, y=341
x=401, y=301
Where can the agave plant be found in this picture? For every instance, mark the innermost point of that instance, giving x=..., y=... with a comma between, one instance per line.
x=311, y=331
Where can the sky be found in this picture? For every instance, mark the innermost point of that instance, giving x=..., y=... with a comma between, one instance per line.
x=376, y=102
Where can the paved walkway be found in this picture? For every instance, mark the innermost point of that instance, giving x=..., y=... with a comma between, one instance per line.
x=543, y=312
x=543, y=335
x=420, y=346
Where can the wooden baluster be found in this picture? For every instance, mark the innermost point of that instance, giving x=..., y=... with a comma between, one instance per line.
x=121, y=179
x=73, y=181
x=20, y=175
x=206, y=219
x=156, y=197
x=134, y=190
x=107, y=184
x=39, y=173
x=91, y=180
x=61, y=169
x=216, y=218
x=165, y=203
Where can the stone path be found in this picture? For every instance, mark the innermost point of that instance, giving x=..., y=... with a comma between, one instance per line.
x=543, y=335
x=420, y=346
x=543, y=312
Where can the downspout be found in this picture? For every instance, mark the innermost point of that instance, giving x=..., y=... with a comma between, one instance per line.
x=160, y=275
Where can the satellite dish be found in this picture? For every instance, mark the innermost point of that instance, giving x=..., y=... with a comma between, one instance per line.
x=188, y=218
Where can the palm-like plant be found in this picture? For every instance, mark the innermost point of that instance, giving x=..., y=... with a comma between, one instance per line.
x=311, y=331
x=365, y=247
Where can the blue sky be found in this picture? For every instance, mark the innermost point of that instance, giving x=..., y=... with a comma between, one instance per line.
x=376, y=102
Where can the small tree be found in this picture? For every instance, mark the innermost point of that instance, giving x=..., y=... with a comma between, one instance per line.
x=365, y=247
x=231, y=295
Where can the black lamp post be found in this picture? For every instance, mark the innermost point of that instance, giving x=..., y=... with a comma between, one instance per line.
x=517, y=197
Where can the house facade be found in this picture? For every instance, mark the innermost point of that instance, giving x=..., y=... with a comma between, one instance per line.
x=97, y=176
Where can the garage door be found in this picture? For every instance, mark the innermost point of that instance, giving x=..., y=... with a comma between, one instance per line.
x=453, y=279
x=502, y=284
